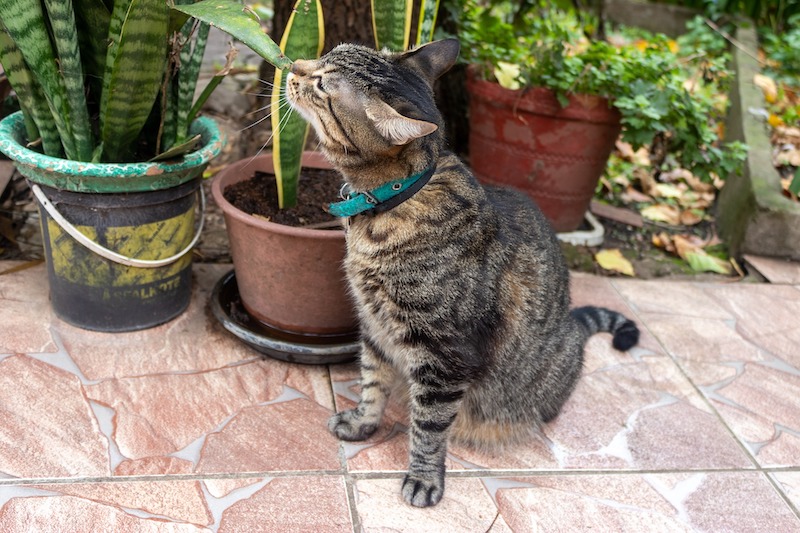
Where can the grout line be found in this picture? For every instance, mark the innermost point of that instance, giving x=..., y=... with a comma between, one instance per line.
x=389, y=474
x=779, y=489
x=683, y=372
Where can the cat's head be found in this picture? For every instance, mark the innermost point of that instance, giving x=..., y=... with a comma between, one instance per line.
x=374, y=112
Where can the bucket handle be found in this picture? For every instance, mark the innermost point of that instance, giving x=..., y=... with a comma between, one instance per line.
x=110, y=254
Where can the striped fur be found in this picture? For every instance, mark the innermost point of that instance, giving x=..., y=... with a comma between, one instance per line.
x=462, y=292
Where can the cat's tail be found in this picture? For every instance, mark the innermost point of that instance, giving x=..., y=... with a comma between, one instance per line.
x=596, y=319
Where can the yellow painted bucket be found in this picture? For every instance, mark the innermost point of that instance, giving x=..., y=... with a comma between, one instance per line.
x=119, y=262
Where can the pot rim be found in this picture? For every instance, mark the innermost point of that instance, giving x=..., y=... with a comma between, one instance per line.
x=542, y=100
x=83, y=176
x=310, y=159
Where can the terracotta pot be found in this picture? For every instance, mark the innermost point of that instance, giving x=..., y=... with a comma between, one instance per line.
x=526, y=140
x=289, y=278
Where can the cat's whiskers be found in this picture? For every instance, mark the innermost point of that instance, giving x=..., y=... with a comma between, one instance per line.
x=281, y=124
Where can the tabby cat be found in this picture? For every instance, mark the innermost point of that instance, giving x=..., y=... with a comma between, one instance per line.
x=462, y=291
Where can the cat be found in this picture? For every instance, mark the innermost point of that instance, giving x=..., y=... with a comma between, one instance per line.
x=461, y=289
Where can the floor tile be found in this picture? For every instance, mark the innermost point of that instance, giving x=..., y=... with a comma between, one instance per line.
x=789, y=484
x=48, y=428
x=292, y=504
x=193, y=342
x=697, y=501
x=776, y=270
x=650, y=417
x=755, y=389
x=466, y=506
x=24, y=310
x=46, y=511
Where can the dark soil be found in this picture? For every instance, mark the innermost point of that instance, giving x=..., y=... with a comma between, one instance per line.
x=258, y=196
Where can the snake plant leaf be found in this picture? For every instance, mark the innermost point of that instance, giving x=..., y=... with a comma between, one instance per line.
x=391, y=23
x=191, y=61
x=92, y=19
x=26, y=24
x=65, y=38
x=30, y=96
x=428, y=10
x=137, y=56
x=233, y=18
x=302, y=38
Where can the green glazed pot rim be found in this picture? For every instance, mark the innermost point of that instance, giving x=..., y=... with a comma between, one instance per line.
x=79, y=176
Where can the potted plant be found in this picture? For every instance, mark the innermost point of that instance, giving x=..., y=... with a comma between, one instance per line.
x=290, y=279
x=548, y=98
x=109, y=142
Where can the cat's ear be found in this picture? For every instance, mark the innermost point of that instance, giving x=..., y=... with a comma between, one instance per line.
x=394, y=127
x=432, y=59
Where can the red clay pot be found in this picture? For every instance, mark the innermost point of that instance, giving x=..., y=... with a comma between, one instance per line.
x=526, y=140
x=289, y=278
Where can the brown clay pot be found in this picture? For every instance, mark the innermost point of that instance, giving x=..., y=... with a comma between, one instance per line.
x=289, y=278
x=526, y=140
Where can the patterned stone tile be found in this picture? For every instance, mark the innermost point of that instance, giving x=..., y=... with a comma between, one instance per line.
x=776, y=270
x=766, y=315
x=466, y=506
x=744, y=365
x=292, y=504
x=696, y=501
x=163, y=414
x=47, y=512
x=48, y=428
x=629, y=411
x=181, y=501
x=24, y=310
x=789, y=483
x=671, y=297
x=285, y=436
x=192, y=342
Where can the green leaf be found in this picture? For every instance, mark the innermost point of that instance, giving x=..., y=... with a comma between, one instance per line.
x=428, y=10
x=31, y=97
x=391, y=23
x=191, y=61
x=233, y=18
x=303, y=38
x=701, y=262
x=62, y=22
x=92, y=18
x=794, y=187
x=135, y=65
x=25, y=22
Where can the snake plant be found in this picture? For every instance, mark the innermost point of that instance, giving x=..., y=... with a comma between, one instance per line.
x=111, y=80
x=303, y=38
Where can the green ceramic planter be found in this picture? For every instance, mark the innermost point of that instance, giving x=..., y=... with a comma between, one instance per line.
x=77, y=176
x=117, y=237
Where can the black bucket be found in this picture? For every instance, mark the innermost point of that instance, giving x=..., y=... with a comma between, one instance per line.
x=146, y=229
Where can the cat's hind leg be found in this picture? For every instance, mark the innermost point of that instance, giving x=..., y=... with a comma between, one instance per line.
x=377, y=377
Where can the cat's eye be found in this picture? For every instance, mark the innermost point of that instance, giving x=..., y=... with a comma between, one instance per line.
x=317, y=83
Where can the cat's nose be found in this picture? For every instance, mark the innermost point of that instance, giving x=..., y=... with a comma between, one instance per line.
x=300, y=67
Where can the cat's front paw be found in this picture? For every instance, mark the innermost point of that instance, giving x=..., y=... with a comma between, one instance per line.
x=349, y=425
x=422, y=492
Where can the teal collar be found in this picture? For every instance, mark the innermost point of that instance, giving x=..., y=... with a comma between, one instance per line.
x=381, y=199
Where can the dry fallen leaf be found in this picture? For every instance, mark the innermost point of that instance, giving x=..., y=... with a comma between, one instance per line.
x=614, y=260
x=768, y=86
x=640, y=157
x=633, y=196
x=662, y=213
x=690, y=217
x=690, y=251
x=668, y=190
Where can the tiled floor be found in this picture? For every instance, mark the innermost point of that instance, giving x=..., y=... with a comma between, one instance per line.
x=183, y=428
